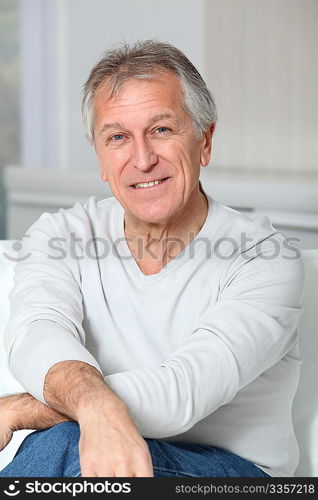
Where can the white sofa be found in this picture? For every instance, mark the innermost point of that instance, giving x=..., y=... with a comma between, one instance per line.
x=305, y=410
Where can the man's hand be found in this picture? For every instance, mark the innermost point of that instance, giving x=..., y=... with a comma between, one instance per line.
x=110, y=444
x=23, y=411
x=6, y=433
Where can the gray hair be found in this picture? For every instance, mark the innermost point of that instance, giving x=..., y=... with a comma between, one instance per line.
x=142, y=60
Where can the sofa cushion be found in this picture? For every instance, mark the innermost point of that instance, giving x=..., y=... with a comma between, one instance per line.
x=305, y=408
x=8, y=258
x=8, y=384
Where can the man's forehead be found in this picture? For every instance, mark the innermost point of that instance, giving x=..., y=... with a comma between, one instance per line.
x=112, y=88
x=147, y=100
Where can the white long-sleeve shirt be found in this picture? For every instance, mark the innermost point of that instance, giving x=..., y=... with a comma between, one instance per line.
x=205, y=351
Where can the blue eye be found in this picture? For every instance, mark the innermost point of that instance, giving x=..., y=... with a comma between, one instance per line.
x=162, y=129
x=117, y=137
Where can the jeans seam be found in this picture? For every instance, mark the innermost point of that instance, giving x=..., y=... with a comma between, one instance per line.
x=162, y=469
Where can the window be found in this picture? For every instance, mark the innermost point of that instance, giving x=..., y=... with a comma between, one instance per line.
x=9, y=92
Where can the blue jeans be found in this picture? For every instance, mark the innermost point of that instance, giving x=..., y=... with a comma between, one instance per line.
x=54, y=453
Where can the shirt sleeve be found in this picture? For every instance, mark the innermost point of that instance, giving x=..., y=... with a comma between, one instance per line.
x=251, y=327
x=46, y=311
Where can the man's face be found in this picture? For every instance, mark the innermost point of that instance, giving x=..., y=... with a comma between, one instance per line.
x=143, y=135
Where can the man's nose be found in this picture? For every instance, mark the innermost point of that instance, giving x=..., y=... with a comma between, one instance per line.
x=143, y=154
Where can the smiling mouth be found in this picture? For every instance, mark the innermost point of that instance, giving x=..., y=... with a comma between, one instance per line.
x=150, y=184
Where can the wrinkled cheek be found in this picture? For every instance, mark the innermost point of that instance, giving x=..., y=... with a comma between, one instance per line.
x=188, y=164
x=106, y=166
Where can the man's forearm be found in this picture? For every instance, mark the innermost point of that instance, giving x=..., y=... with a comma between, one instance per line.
x=69, y=386
x=74, y=387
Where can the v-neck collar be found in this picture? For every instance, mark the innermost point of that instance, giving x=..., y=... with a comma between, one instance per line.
x=125, y=253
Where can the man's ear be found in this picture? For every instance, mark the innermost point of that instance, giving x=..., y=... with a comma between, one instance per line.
x=207, y=146
x=103, y=176
x=90, y=142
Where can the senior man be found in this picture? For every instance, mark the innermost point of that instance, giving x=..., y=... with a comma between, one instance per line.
x=166, y=344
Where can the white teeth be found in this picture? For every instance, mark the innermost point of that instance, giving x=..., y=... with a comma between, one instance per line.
x=148, y=184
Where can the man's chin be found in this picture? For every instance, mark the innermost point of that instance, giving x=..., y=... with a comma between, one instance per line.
x=151, y=214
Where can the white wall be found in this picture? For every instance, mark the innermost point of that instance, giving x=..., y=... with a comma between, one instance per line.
x=262, y=64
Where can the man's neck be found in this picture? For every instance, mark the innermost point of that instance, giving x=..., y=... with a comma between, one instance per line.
x=153, y=245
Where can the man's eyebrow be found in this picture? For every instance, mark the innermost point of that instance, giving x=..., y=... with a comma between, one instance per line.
x=161, y=116
x=107, y=126
x=154, y=119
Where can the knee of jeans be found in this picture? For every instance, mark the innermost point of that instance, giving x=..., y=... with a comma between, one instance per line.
x=64, y=432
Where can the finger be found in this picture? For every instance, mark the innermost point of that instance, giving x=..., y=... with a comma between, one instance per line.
x=98, y=470
x=124, y=467
x=5, y=440
x=88, y=468
x=124, y=472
